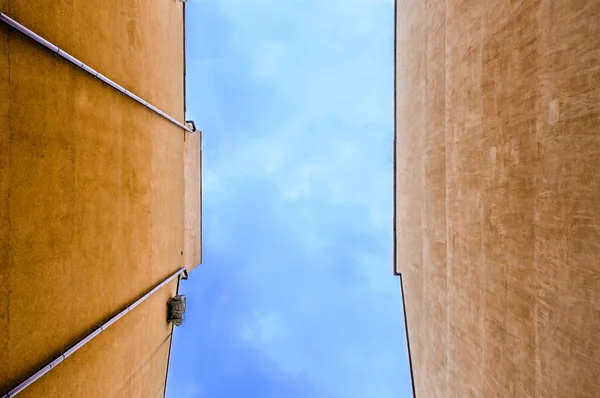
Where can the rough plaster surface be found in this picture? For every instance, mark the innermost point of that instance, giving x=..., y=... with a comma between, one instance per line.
x=193, y=200
x=91, y=194
x=497, y=195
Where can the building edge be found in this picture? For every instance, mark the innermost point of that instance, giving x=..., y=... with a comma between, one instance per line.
x=394, y=232
x=394, y=201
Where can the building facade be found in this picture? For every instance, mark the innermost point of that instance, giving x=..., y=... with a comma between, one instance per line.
x=100, y=197
x=497, y=187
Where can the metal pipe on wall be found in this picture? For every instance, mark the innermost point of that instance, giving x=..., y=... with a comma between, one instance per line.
x=52, y=364
x=32, y=35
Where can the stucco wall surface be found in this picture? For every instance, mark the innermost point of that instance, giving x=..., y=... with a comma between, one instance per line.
x=193, y=200
x=497, y=195
x=91, y=194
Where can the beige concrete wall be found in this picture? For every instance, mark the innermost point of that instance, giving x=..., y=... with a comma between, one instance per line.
x=91, y=193
x=497, y=187
x=193, y=200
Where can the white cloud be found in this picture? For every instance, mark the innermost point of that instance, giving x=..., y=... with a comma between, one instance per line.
x=264, y=329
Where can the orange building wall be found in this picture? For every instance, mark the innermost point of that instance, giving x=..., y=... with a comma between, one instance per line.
x=497, y=187
x=91, y=194
x=4, y=189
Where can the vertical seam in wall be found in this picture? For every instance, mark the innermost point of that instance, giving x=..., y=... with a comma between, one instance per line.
x=482, y=188
x=536, y=313
x=448, y=242
x=422, y=87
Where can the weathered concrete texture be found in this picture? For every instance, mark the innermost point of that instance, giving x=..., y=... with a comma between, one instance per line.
x=91, y=193
x=193, y=200
x=497, y=187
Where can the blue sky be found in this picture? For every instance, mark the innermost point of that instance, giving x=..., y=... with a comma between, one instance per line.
x=295, y=297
